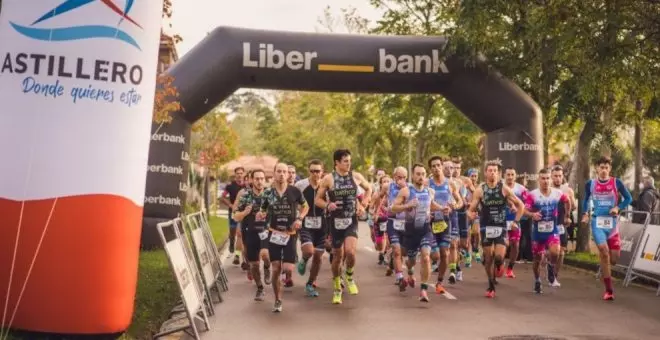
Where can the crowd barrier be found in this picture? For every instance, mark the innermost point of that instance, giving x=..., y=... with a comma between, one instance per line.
x=640, y=248
x=197, y=268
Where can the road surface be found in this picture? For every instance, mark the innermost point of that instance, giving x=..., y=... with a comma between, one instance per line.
x=380, y=311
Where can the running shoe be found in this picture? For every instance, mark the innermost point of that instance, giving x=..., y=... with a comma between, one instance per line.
x=510, y=274
x=423, y=296
x=336, y=297
x=402, y=283
x=490, y=293
x=538, y=289
x=352, y=287
x=439, y=289
x=310, y=291
x=452, y=279
x=236, y=261
x=608, y=296
x=260, y=294
x=302, y=267
x=277, y=308
x=459, y=276
x=411, y=282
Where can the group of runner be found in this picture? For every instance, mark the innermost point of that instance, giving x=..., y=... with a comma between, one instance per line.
x=442, y=221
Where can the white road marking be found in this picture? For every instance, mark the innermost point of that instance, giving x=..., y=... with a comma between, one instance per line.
x=369, y=249
x=449, y=296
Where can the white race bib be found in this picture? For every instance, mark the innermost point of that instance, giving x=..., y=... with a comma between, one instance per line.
x=493, y=232
x=399, y=225
x=562, y=229
x=508, y=225
x=263, y=235
x=343, y=223
x=546, y=226
x=313, y=222
x=382, y=226
x=279, y=238
x=604, y=222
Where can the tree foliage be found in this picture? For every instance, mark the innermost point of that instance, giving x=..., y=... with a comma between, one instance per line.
x=213, y=142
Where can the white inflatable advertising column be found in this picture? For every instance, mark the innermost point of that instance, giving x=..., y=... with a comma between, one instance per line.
x=77, y=80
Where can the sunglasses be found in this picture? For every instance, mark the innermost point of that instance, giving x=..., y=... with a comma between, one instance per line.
x=315, y=171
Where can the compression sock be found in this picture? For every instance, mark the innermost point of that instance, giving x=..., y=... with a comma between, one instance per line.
x=424, y=286
x=336, y=282
x=452, y=268
x=608, y=284
x=349, y=273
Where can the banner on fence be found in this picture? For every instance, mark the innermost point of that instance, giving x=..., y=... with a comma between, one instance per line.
x=648, y=254
x=631, y=235
x=184, y=275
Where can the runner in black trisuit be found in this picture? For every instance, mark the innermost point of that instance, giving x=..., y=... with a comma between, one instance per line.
x=493, y=196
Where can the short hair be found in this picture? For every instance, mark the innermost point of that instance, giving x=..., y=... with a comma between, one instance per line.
x=604, y=160
x=339, y=154
x=509, y=168
x=493, y=162
x=544, y=171
x=417, y=165
x=236, y=169
x=253, y=172
x=434, y=158
x=315, y=162
x=457, y=159
x=380, y=181
x=280, y=163
x=557, y=167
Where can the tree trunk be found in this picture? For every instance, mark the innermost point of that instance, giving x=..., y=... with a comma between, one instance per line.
x=638, y=157
x=582, y=172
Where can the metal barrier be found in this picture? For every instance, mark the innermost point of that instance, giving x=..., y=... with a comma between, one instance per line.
x=646, y=260
x=187, y=277
x=203, y=240
x=630, y=235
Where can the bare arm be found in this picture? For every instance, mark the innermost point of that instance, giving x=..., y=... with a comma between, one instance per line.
x=476, y=197
x=238, y=216
x=517, y=203
x=435, y=206
x=456, y=195
x=398, y=205
x=365, y=185
x=325, y=184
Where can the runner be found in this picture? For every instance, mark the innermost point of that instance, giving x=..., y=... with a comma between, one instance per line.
x=514, y=235
x=603, y=192
x=314, y=230
x=475, y=231
x=254, y=231
x=395, y=222
x=543, y=207
x=281, y=204
x=493, y=196
x=463, y=225
x=341, y=187
x=444, y=191
x=557, y=174
x=379, y=230
x=228, y=198
x=417, y=208
x=455, y=273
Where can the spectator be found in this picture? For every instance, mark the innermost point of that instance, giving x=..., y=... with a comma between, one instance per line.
x=648, y=201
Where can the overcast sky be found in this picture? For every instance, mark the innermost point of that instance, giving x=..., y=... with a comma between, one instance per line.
x=193, y=19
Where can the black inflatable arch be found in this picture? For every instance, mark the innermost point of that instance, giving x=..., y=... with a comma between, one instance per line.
x=232, y=58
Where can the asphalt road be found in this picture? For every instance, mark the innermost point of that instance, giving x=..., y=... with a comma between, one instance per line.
x=380, y=311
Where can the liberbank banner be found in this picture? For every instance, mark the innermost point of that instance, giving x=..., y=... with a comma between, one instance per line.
x=77, y=80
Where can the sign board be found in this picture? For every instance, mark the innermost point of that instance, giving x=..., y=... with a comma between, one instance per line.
x=205, y=259
x=631, y=234
x=184, y=275
x=648, y=254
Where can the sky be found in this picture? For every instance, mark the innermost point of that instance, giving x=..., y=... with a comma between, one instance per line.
x=193, y=19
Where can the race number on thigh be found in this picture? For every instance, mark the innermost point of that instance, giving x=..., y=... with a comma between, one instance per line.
x=382, y=226
x=604, y=222
x=279, y=238
x=263, y=235
x=562, y=229
x=493, y=231
x=399, y=225
x=546, y=226
x=343, y=223
x=313, y=222
x=508, y=225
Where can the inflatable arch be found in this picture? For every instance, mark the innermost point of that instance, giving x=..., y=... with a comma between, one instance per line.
x=232, y=58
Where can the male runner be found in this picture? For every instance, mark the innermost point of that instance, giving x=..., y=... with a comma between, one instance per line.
x=416, y=202
x=493, y=197
x=543, y=207
x=291, y=170
x=341, y=203
x=314, y=230
x=254, y=231
x=395, y=222
x=379, y=230
x=463, y=225
x=557, y=174
x=514, y=235
x=283, y=202
x=444, y=191
x=603, y=192
x=455, y=273
x=228, y=198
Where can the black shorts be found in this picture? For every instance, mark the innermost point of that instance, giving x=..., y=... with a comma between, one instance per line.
x=563, y=236
x=253, y=241
x=493, y=241
x=463, y=227
x=380, y=227
x=283, y=253
x=416, y=240
x=339, y=235
x=314, y=233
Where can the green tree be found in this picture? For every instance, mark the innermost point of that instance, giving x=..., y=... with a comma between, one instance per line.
x=213, y=142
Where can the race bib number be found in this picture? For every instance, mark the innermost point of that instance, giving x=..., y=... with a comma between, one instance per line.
x=382, y=226
x=263, y=235
x=279, y=238
x=546, y=226
x=343, y=223
x=604, y=222
x=399, y=225
x=562, y=229
x=439, y=226
x=313, y=222
x=493, y=232
x=508, y=225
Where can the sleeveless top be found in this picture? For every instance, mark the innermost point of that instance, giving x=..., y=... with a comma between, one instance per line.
x=418, y=217
x=493, y=206
x=344, y=195
x=604, y=196
x=392, y=192
x=442, y=196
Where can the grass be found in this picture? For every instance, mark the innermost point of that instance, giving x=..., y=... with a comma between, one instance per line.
x=157, y=292
x=583, y=257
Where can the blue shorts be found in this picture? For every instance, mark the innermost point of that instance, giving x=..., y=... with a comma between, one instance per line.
x=417, y=240
x=609, y=236
x=453, y=226
x=396, y=237
x=463, y=227
x=233, y=224
x=442, y=239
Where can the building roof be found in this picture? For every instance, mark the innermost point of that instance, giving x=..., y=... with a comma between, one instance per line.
x=250, y=162
x=167, y=43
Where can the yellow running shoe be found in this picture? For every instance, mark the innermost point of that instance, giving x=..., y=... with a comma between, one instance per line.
x=336, y=297
x=352, y=287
